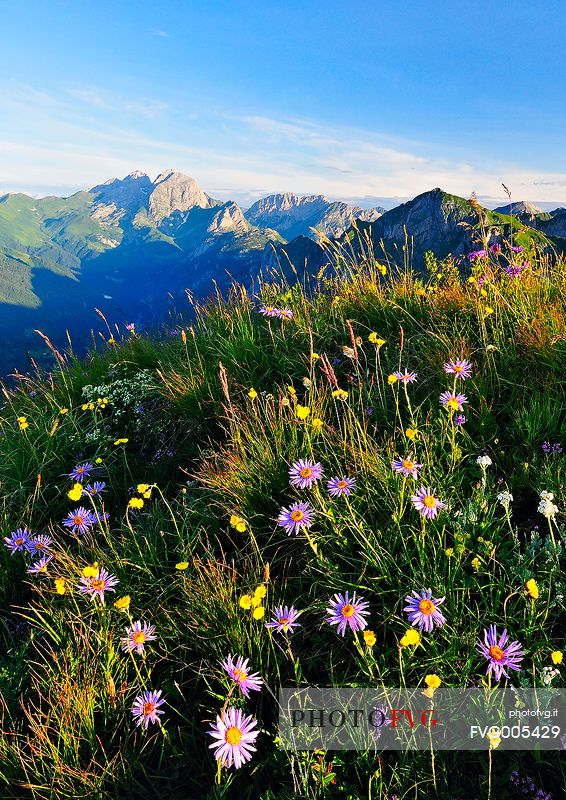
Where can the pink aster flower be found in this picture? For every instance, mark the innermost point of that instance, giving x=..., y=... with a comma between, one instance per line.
x=452, y=401
x=239, y=672
x=459, y=367
x=426, y=503
x=406, y=467
x=234, y=737
x=337, y=487
x=95, y=587
x=500, y=653
x=406, y=377
x=423, y=610
x=137, y=636
x=146, y=708
x=344, y=611
x=304, y=473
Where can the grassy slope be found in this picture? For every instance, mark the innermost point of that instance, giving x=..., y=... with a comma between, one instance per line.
x=212, y=451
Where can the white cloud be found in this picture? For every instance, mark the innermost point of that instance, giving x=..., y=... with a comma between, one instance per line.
x=83, y=136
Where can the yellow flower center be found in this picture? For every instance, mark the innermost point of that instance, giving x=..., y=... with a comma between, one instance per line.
x=429, y=501
x=139, y=637
x=408, y=464
x=426, y=607
x=239, y=675
x=348, y=610
x=80, y=470
x=453, y=404
x=19, y=542
x=284, y=621
x=341, y=485
x=78, y=520
x=306, y=472
x=148, y=708
x=496, y=653
x=457, y=368
x=233, y=735
x=97, y=584
x=297, y=515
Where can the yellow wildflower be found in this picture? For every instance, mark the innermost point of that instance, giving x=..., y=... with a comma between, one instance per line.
x=63, y=410
x=391, y=379
x=449, y=551
x=315, y=356
x=76, y=492
x=432, y=681
x=22, y=423
x=91, y=571
x=256, y=601
x=135, y=502
x=369, y=638
x=488, y=310
x=317, y=424
x=557, y=657
x=182, y=565
x=339, y=394
x=292, y=391
x=246, y=601
x=411, y=433
x=476, y=562
x=421, y=293
x=471, y=279
x=142, y=488
x=260, y=592
x=121, y=441
x=259, y=612
x=252, y=394
x=411, y=636
x=238, y=523
x=98, y=461
x=494, y=739
x=302, y=412
x=532, y=588
x=123, y=603
x=60, y=586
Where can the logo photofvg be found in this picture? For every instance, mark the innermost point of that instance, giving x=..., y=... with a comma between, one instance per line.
x=316, y=718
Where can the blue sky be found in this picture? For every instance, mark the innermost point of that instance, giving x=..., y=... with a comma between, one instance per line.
x=357, y=100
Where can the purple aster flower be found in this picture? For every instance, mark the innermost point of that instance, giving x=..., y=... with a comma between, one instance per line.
x=284, y=313
x=515, y=270
x=499, y=652
x=423, y=611
x=81, y=471
x=79, y=520
x=406, y=467
x=39, y=545
x=475, y=254
x=452, y=401
x=137, y=636
x=284, y=619
x=426, y=503
x=95, y=587
x=94, y=488
x=146, y=708
x=238, y=671
x=130, y=326
x=517, y=248
x=460, y=419
x=234, y=736
x=347, y=612
x=459, y=367
x=495, y=248
x=269, y=311
x=341, y=486
x=18, y=541
x=304, y=473
x=406, y=377
x=297, y=516
x=39, y=566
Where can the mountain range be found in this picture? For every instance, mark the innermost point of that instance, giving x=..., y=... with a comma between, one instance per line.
x=127, y=245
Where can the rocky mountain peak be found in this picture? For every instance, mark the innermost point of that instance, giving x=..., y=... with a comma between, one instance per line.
x=519, y=208
x=174, y=191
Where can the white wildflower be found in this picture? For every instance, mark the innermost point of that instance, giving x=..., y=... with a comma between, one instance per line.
x=505, y=498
